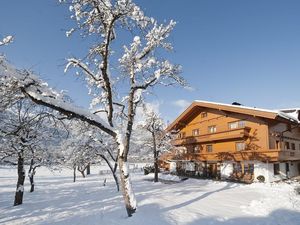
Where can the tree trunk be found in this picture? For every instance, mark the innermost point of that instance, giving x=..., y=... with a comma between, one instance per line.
x=112, y=171
x=82, y=173
x=31, y=172
x=128, y=195
x=88, y=169
x=74, y=173
x=81, y=170
x=21, y=179
x=155, y=158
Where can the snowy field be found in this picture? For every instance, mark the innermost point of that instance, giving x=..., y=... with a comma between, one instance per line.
x=57, y=200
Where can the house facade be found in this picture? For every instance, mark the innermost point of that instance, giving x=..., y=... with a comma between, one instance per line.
x=236, y=142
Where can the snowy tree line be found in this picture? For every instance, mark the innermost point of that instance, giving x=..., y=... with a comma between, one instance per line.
x=117, y=92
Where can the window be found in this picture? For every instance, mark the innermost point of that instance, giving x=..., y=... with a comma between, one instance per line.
x=236, y=124
x=276, y=169
x=277, y=144
x=190, y=149
x=249, y=168
x=181, y=135
x=195, y=132
x=237, y=168
x=239, y=146
x=209, y=148
x=287, y=145
x=293, y=146
x=203, y=114
x=212, y=129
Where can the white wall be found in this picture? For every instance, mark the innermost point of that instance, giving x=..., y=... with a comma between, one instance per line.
x=189, y=166
x=267, y=170
x=226, y=169
x=261, y=169
x=294, y=171
x=172, y=166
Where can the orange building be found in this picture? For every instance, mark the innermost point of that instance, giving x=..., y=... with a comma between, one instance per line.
x=234, y=141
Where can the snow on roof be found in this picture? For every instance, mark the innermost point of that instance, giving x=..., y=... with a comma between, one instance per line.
x=281, y=113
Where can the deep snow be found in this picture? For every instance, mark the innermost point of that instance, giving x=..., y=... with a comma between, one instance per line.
x=57, y=200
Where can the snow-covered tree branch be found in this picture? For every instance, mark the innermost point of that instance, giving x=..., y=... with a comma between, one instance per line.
x=118, y=82
x=6, y=40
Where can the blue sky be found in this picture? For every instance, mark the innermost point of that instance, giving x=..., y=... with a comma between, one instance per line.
x=244, y=51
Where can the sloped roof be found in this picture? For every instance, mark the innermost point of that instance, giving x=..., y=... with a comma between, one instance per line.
x=259, y=112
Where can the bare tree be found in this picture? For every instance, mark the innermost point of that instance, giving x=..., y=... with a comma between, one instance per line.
x=139, y=69
x=23, y=135
x=86, y=145
x=159, y=140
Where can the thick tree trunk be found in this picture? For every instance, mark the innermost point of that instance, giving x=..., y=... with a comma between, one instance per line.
x=128, y=195
x=21, y=179
x=155, y=158
x=74, y=173
x=88, y=169
x=31, y=179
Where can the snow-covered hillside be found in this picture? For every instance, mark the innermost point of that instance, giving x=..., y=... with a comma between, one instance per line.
x=57, y=200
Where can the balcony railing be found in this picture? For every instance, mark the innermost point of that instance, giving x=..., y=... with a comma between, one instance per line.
x=238, y=133
x=267, y=155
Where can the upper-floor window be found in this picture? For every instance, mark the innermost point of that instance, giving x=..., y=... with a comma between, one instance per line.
x=236, y=124
x=181, y=135
x=195, y=132
x=293, y=146
x=287, y=145
x=197, y=148
x=203, y=114
x=239, y=146
x=212, y=129
x=209, y=148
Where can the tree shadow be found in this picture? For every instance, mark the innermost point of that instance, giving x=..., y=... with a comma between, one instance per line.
x=278, y=217
x=202, y=196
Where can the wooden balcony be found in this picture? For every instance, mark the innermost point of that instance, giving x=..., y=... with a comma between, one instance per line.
x=268, y=155
x=238, y=133
x=289, y=155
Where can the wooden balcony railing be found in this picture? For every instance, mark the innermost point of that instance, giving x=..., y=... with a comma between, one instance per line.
x=238, y=133
x=268, y=155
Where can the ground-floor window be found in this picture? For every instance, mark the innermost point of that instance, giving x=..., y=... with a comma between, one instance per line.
x=249, y=168
x=276, y=168
x=209, y=148
x=237, y=168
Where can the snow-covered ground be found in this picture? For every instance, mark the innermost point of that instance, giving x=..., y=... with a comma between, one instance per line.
x=57, y=200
